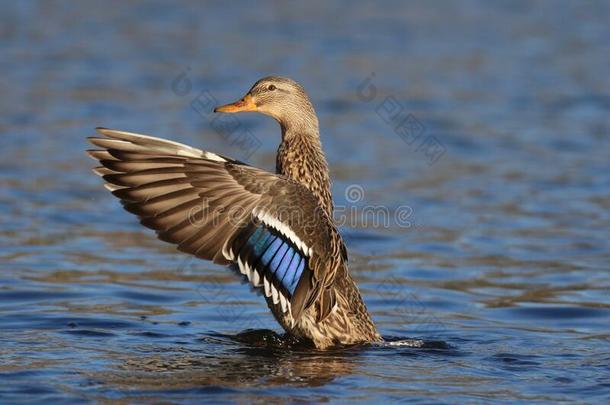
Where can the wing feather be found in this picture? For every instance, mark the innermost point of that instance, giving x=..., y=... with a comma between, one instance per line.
x=211, y=206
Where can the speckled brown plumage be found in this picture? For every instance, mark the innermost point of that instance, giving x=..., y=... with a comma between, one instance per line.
x=276, y=229
x=300, y=157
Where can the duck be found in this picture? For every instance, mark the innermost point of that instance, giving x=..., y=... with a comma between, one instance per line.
x=274, y=229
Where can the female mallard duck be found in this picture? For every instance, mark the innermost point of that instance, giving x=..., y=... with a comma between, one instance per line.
x=277, y=229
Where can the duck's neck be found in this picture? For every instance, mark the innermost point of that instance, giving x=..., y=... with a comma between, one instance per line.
x=300, y=158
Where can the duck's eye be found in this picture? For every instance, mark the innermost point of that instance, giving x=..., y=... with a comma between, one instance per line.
x=271, y=87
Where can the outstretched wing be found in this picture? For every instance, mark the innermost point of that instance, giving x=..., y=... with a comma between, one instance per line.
x=220, y=209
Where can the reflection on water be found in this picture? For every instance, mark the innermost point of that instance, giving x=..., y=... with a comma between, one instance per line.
x=235, y=367
x=496, y=290
x=251, y=359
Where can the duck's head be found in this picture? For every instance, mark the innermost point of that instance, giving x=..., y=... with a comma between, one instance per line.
x=281, y=98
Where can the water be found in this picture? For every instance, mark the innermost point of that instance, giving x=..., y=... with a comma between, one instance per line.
x=500, y=268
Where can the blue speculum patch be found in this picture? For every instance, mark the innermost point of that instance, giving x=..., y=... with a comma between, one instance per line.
x=275, y=257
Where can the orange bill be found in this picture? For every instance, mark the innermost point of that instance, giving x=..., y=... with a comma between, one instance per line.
x=245, y=104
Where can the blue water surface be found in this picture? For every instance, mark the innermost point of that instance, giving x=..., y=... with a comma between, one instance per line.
x=478, y=134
